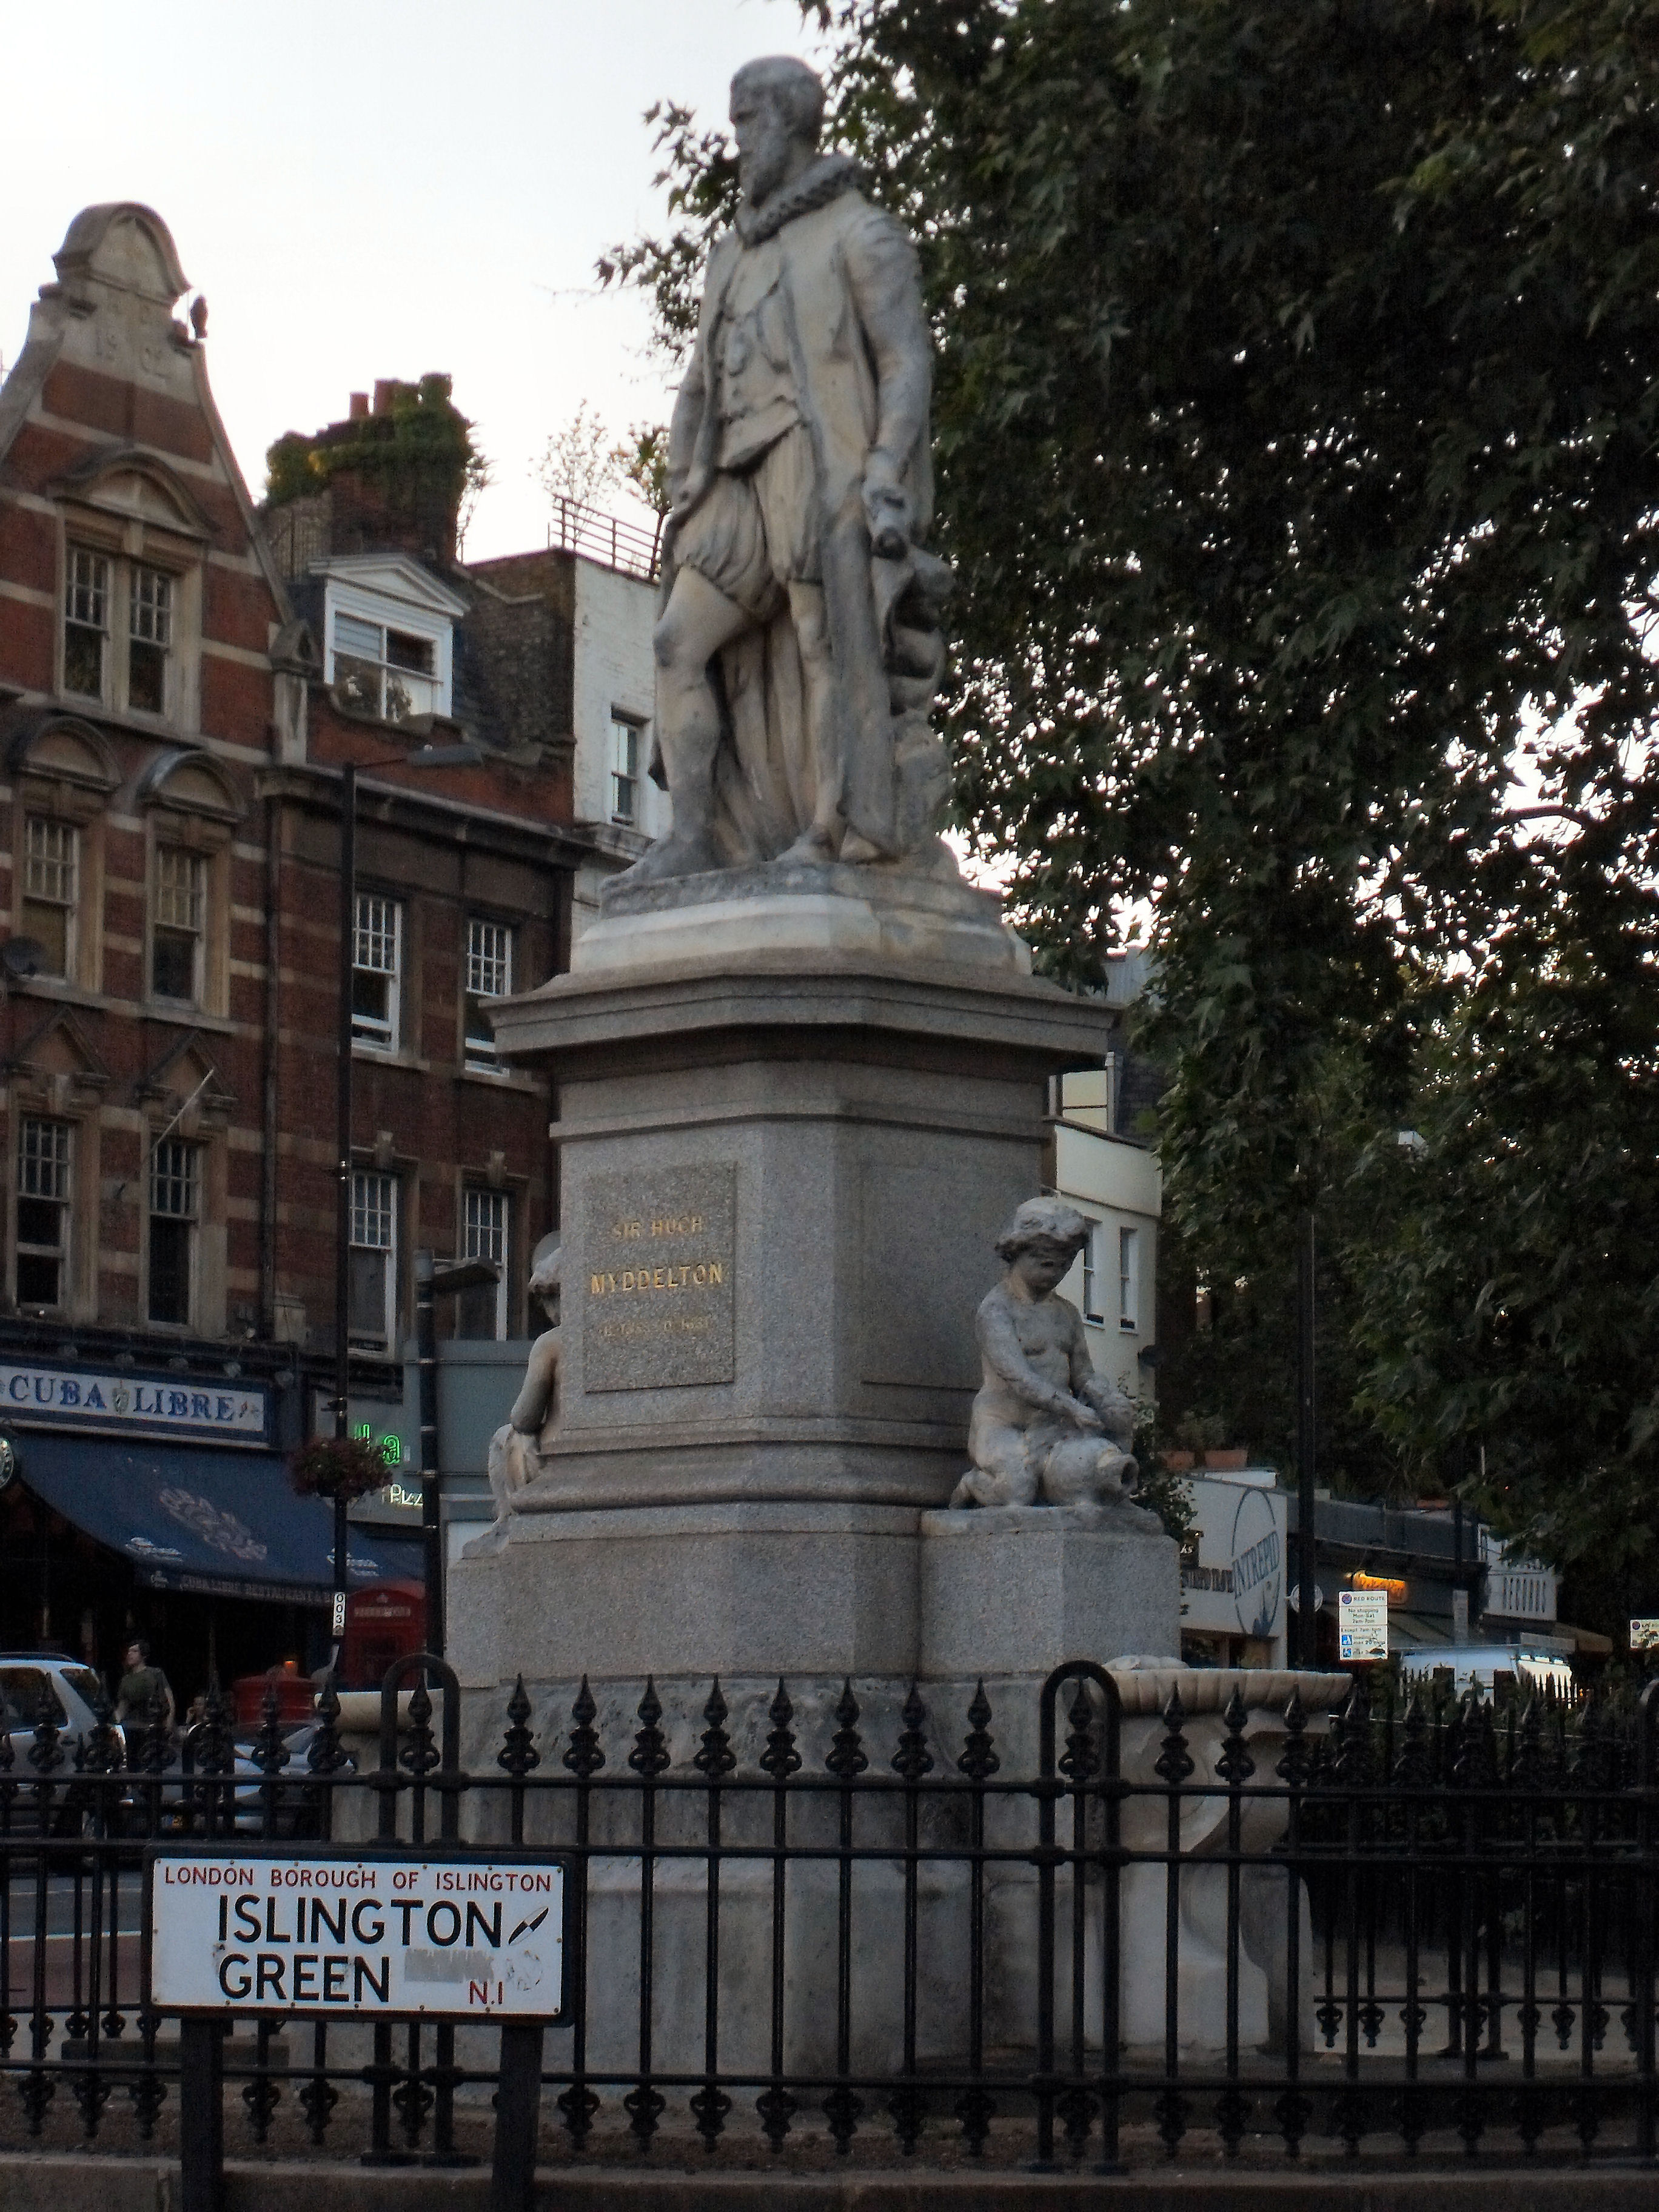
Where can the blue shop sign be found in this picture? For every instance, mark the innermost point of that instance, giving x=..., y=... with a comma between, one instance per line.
x=39, y=1395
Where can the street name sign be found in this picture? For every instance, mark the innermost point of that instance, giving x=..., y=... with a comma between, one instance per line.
x=366, y=1935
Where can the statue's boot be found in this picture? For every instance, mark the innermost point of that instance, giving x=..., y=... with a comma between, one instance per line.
x=815, y=848
x=693, y=855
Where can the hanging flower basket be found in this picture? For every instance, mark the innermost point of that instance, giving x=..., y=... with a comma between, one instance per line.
x=338, y=1467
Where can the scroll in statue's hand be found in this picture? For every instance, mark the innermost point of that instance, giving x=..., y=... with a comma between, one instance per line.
x=886, y=509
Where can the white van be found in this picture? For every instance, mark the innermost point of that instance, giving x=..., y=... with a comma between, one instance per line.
x=1483, y=1662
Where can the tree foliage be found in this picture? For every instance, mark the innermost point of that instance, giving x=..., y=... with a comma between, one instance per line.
x=419, y=436
x=1297, y=432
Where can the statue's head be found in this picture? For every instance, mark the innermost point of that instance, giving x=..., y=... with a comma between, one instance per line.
x=1042, y=1238
x=544, y=1280
x=777, y=112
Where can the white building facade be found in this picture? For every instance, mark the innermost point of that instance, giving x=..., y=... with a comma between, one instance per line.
x=1114, y=1183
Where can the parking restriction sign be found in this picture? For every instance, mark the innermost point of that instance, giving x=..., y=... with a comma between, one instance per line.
x=1362, y=1624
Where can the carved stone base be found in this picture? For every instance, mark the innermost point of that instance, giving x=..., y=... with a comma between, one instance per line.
x=887, y=911
x=1018, y=1590
x=819, y=1588
x=783, y=1175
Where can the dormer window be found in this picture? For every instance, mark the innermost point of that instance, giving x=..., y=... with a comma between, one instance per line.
x=388, y=636
x=384, y=671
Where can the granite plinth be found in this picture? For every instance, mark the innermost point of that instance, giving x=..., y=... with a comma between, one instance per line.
x=783, y=1176
x=1020, y=1589
x=699, y=1590
x=810, y=1588
x=887, y=912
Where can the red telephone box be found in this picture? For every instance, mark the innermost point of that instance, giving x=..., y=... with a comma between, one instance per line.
x=384, y=1622
x=295, y=1695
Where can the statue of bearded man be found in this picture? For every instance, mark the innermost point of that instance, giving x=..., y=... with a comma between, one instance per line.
x=798, y=648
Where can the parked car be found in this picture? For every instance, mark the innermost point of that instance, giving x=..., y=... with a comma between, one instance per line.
x=27, y=1676
x=170, y=1803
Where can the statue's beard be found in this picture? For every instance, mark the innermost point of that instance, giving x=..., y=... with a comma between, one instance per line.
x=761, y=172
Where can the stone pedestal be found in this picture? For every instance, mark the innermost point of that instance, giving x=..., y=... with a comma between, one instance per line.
x=794, y=1109
x=810, y=1589
x=1018, y=1590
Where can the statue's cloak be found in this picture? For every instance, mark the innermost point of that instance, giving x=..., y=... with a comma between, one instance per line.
x=860, y=354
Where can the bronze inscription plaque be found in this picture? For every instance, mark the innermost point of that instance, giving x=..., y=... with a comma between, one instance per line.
x=660, y=1255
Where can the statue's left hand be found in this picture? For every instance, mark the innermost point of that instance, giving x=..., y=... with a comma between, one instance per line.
x=886, y=509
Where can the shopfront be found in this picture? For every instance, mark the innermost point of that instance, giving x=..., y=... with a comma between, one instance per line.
x=1232, y=1572
x=144, y=1503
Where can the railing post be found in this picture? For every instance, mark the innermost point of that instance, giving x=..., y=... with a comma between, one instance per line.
x=1047, y=1856
x=518, y=2109
x=1647, y=1720
x=1111, y=1913
x=202, y=2114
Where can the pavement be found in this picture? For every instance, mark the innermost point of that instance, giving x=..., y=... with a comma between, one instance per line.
x=60, y=2182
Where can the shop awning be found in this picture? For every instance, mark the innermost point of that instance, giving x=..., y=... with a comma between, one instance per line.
x=400, y=1553
x=222, y=1523
x=1590, y=1641
x=1417, y=1632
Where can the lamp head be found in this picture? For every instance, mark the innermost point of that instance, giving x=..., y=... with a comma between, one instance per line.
x=464, y=755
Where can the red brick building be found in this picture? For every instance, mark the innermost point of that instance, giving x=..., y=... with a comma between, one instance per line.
x=174, y=708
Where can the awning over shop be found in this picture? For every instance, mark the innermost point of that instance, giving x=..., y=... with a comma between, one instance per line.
x=1587, y=1641
x=222, y=1523
x=401, y=1553
x=1419, y=1632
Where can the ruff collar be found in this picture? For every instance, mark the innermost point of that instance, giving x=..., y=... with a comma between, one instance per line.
x=830, y=176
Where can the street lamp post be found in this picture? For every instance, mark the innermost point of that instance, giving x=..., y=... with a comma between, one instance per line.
x=422, y=756
x=432, y=1281
x=1307, y=1604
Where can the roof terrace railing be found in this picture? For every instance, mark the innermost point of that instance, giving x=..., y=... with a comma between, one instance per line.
x=627, y=547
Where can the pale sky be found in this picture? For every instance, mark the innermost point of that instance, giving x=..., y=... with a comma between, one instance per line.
x=377, y=188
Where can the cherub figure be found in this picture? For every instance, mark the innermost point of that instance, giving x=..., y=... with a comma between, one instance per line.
x=1042, y=1416
x=519, y=1449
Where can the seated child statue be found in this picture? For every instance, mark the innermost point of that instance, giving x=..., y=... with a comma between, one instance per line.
x=518, y=1449
x=1045, y=1428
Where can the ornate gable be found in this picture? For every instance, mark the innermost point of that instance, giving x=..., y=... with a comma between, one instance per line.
x=187, y=1082
x=57, y=1066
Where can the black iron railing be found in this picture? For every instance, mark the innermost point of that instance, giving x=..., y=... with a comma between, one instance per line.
x=1120, y=1926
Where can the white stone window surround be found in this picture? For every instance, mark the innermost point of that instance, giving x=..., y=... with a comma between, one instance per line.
x=372, y=1312
x=489, y=953
x=627, y=749
x=121, y=631
x=171, y=1291
x=1129, y=1280
x=132, y=542
x=51, y=887
x=45, y=1156
x=1093, y=1272
x=485, y=1233
x=377, y=965
x=387, y=611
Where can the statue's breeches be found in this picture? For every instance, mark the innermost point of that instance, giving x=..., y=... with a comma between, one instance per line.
x=750, y=536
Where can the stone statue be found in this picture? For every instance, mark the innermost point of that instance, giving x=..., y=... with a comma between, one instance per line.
x=518, y=1447
x=1040, y=1421
x=799, y=647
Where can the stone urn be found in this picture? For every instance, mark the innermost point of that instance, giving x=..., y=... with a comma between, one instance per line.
x=1158, y=1733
